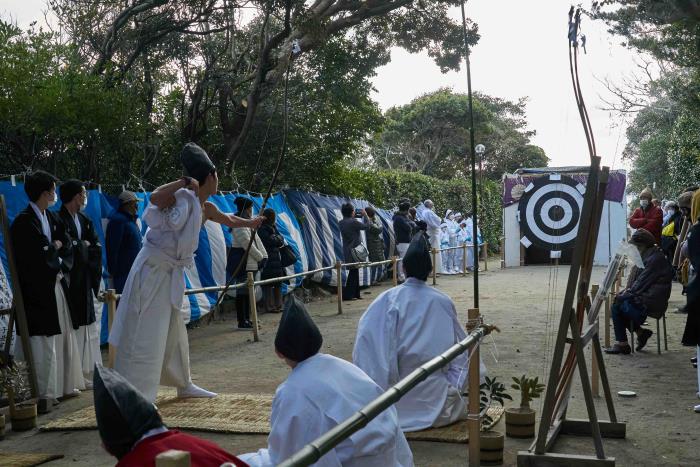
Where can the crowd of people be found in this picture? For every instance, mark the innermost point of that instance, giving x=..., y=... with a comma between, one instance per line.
x=60, y=274
x=667, y=237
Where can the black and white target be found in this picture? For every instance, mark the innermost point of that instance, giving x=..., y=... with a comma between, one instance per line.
x=550, y=210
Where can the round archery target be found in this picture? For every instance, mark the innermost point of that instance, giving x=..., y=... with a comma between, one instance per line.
x=550, y=209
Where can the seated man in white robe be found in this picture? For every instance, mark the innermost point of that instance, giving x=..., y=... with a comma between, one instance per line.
x=321, y=392
x=405, y=327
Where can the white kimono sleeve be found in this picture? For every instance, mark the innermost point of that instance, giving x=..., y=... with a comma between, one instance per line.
x=375, y=350
x=171, y=218
x=458, y=370
x=295, y=422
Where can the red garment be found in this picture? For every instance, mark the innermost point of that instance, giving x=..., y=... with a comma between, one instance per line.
x=650, y=220
x=203, y=453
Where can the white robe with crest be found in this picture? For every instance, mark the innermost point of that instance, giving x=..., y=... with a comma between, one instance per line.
x=403, y=328
x=149, y=330
x=319, y=393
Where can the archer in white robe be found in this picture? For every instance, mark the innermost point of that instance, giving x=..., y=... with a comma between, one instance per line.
x=403, y=328
x=321, y=392
x=433, y=221
x=149, y=329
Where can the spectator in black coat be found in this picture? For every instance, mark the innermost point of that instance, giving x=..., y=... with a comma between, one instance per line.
x=350, y=229
x=404, y=228
x=646, y=294
x=272, y=241
x=691, y=334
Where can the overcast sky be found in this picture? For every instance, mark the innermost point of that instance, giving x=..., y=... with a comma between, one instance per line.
x=522, y=52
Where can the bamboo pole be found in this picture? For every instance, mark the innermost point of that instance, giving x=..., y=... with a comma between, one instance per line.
x=607, y=320
x=595, y=375
x=253, y=306
x=395, y=271
x=474, y=420
x=111, y=299
x=339, y=285
x=486, y=256
x=434, y=266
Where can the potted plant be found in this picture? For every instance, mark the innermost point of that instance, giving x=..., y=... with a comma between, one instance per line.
x=520, y=421
x=13, y=380
x=491, y=442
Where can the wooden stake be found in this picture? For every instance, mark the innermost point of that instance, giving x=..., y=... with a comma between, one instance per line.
x=607, y=320
x=111, y=299
x=395, y=262
x=253, y=305
x=464, y=260
x=339, y=285
x=503, y=252
x=486, y=256
x=474, y=421
x=434, y=266
x=594, y=361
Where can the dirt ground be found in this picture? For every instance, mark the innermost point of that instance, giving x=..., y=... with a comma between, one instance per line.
x=661, y=426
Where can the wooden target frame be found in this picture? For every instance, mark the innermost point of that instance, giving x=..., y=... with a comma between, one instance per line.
x=576, y=331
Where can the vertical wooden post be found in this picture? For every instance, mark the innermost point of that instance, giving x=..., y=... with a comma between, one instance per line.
x=486, y=256
x=253, y=305
x=395, y=262
x=607, y=320
x=502, y=243
x=339, y=285
x=111, y=299
x=522, y=255
x=464, y=259
x=474, y=421
x=434, y=266
x=595, y=387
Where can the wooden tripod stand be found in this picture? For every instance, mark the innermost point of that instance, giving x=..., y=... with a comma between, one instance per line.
x=16, y=311
x=580, y=319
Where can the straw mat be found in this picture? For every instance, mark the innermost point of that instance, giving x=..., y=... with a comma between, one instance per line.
x=20, y=459
x=238, y=413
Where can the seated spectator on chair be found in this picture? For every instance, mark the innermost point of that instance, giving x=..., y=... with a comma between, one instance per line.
x=132, y=431
x=646, y=294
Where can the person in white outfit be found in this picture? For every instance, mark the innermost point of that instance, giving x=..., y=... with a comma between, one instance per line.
x=433, y=222
x=321, y=392
x=149, y=332
x=405, y=327
x=444, y=243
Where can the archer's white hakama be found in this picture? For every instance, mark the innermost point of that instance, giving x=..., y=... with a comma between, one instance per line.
x=149, y=330
x=402, y=329
x=319, y=393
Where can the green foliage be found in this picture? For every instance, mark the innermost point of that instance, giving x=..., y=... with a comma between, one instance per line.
x=430, y=135
x=530, y=388
x=14, y=380
x=490, y=392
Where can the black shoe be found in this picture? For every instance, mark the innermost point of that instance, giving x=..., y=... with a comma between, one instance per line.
x=694, y=360
x=643, y=338
x=44, y=406
x=245, y=325
x=619, y=349
x=681, y=310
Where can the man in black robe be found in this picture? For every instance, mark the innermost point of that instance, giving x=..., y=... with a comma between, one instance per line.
x=84, y=277
x=41, y=247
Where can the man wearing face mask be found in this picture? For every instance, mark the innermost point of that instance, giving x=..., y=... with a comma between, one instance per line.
x=123, y=239
x=646, y=294
x=647, y=216
x=85, y=274
x=40, y=241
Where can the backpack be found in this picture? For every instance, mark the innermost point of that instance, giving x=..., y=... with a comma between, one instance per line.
x=669, y=230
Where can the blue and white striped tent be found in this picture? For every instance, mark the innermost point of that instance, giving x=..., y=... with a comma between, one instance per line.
x=308, y=222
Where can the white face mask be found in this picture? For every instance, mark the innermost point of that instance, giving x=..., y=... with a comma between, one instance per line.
x=54, y=200
x=644, y=202
x=84, y=205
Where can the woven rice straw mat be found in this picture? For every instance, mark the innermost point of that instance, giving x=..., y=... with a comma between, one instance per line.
x=238, y=413
x=18, y=459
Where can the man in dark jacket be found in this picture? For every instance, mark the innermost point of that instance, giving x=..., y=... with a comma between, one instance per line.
x=646, y=294
x=41, y=245
x=123, y=239
x=84, y=277
x=404, y=228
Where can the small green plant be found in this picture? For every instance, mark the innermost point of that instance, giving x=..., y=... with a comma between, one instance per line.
x=530, y=388
x=14, y=382
x=491, y=391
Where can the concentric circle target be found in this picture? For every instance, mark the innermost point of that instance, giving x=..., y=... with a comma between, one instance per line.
x=550, y=209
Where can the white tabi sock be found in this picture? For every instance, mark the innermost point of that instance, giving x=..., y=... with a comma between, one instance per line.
x=192, y=390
